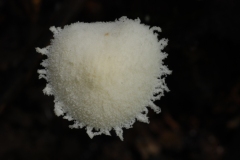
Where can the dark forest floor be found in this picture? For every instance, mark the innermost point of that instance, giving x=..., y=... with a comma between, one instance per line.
x=200, y=117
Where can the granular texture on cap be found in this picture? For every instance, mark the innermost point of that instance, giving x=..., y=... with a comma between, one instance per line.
x=104, y=75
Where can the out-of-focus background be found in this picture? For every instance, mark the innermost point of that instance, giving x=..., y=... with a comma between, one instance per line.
x=200, y=117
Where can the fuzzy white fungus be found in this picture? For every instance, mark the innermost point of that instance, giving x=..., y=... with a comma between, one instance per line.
x=104, y=75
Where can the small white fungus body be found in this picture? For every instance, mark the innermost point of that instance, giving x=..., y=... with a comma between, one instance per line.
x=105, y=75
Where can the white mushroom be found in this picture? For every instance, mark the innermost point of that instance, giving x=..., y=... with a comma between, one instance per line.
x=104, y=75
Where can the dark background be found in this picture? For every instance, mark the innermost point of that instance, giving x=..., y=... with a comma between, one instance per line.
x=200, y=117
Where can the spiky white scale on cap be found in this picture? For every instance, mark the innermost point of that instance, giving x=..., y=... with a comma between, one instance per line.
x=104, y=75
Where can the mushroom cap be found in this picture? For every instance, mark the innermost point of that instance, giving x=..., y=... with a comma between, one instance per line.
x=104, y=75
